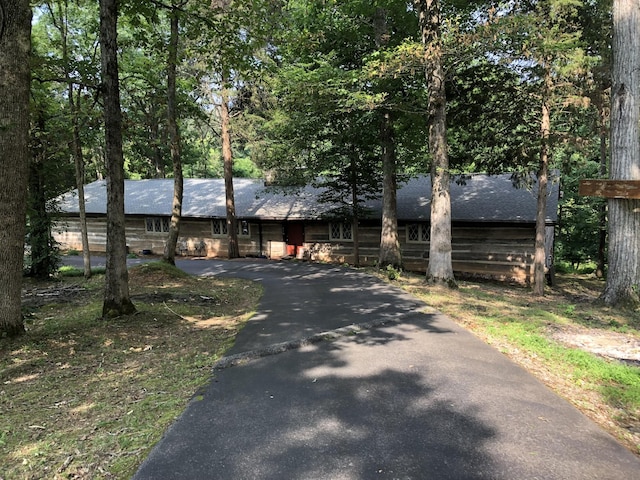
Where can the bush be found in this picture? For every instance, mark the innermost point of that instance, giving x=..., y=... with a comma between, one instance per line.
x=393, y=273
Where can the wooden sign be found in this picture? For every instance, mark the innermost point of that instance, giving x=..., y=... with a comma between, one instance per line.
x=610, y=188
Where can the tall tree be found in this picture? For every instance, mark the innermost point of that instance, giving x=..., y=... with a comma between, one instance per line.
x=15, y=46
x=542, y=40
x=44, y=255
x=61, y=22
x=390, y=253
x=78, y=160
x=116, y=294
x=174, y=140
x=623, y=278
x=351, y=94
x=235, y=31
x=540, y=255
x=440, y=267
x=227, y=158
x=61, y=77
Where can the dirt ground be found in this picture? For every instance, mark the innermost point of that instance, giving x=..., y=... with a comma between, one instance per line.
x=613, y=345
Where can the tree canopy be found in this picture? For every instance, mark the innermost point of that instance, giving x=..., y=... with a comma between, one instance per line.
x=332, y=92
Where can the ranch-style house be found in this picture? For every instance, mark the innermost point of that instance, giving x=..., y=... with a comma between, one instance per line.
x=493, y=223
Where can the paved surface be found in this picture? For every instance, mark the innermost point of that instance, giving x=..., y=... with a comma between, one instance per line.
x=413, y=396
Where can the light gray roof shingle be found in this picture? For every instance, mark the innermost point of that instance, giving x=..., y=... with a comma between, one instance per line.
x=479, y=198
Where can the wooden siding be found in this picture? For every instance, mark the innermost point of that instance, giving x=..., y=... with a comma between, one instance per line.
x=500, y=252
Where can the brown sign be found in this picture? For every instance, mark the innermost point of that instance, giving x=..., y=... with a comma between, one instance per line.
x=610, y=188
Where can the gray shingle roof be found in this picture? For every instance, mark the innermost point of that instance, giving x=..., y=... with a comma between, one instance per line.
x=480, y=198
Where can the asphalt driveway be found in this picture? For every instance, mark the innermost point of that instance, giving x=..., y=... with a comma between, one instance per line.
x=407, y=395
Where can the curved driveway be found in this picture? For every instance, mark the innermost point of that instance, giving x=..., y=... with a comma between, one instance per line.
x=413, y=396
x=302, y=299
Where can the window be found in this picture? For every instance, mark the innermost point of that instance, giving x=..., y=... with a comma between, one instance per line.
x=219, y=227
x=157, y=224
x=340, y=231
x=418, y=233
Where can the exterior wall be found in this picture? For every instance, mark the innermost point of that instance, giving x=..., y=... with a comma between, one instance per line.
x=66, y=232
x=496, y=252
x=320, y=248
x=196, y=237
x=501, y=252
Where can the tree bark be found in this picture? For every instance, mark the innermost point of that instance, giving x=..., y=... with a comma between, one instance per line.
x=602, y=237
x=390, y=252
x=174, y=142
x=227, y=157
x=356, y=212
x=44, y=256
x=76, y=143
x=543, y=179
x=440, y=267
x=116, y=294
x=15, y=48
x=78, y=161
x=155, y=141
x=623, y=277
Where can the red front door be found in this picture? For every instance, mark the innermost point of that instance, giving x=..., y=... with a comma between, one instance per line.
x=294, y=236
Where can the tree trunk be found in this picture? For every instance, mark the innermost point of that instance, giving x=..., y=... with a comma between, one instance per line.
x=602, y=243
x=15, y=47
x=78, y=161
x=390, y=253
x=174, y=140
x=44, y=256
x=440, y=268
x=623, y=277
x=156, y=141
x=76, y=144
x=116, y=293
x=543, y=178
x=227, y=157
x=356, y=214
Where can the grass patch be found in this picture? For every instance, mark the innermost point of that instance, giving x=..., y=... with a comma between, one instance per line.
x=69, y=271
x=86, y=398
x=526, y=329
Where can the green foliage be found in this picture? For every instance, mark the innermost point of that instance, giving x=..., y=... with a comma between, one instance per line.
x=580, y=217
x=244, y=167
x=341, y=68
x=393, y=273
x=309, y=82
x=491, y=115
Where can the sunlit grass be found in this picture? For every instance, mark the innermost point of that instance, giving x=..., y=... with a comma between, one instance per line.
x=85, y=398
x=69, y=271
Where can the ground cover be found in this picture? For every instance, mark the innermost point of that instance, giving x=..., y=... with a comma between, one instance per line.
x=587, y=352
x=83, y=398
